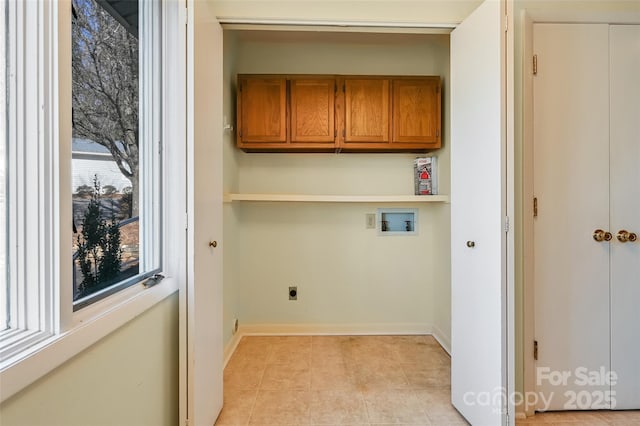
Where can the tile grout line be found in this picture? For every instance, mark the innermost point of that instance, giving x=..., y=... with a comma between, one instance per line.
x=259, y=388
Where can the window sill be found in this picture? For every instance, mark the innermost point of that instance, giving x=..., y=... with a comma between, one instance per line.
x=20, y=371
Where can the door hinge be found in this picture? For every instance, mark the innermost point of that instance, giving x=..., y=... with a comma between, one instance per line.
x=535, y=64
x=535, y=206
x=507, y=225
x=535, y=350
x=186, y=221
x=187, y=422
x=506, y=23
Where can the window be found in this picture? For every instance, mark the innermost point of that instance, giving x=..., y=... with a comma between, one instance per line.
x=115, y=147
x=61, y=248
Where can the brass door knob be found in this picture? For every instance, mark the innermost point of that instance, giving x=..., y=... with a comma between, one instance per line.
x=623, y=236
x=600, y=235
x=213, y=244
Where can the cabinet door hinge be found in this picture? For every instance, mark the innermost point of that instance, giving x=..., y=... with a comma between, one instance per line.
x=535, y=350
x=535, y=206
x=335, y=133
x=507, y=225
x=535, y=64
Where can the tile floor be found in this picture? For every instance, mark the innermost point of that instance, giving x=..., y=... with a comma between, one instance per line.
x=338, y=380
x=355, y=380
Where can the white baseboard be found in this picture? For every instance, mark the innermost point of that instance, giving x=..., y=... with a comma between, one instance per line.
x=333, y=329
x=443, y=339
x=231, y=346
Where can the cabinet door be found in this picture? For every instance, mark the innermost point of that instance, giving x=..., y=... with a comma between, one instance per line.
x=262, y=110
x=366, y=111
x=416, y=111
x=312, y=111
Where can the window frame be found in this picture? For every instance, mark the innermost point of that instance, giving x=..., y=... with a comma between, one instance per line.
x=71, y=332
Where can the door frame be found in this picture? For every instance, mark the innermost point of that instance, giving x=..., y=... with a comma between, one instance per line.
x=527, y=18
x=187, y=406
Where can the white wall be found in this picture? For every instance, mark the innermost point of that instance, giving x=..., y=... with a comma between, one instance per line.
x=130, y=378
x=346, y=274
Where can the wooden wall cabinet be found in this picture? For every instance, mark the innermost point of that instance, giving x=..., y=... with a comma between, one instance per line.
x=366, y=111
x=312, y=112
x=336, y=113
x=417, y=112
x=262, y=112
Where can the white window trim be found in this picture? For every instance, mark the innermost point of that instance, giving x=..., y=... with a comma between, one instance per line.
x=73, y=333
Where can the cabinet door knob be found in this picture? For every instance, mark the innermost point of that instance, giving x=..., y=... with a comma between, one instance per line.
x=213, y=244
x=471, y=244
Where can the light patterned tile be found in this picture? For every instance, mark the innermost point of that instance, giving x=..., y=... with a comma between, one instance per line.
x=243, y=379
x=437, y=404
x=237, y=407
x=281, y=408
x=424, y=354
x=337, y=407
x=332, y=377
x=425, y=376
x=380, y=378
x=294, y=352
x=285, y=376
x=394, y=406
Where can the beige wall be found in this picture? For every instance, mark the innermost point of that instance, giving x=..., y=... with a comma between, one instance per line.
x=346, y=274
x=130, y=378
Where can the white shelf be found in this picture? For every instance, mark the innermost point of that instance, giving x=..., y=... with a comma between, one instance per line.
x=307, y=198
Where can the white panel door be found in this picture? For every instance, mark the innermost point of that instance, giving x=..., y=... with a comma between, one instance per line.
x=587, y=128
x=571, y=183
x=478, y=361
x=204, y=194
x=625, y=212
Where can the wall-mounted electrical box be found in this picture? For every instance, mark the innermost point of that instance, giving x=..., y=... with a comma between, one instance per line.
x=397, y=221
